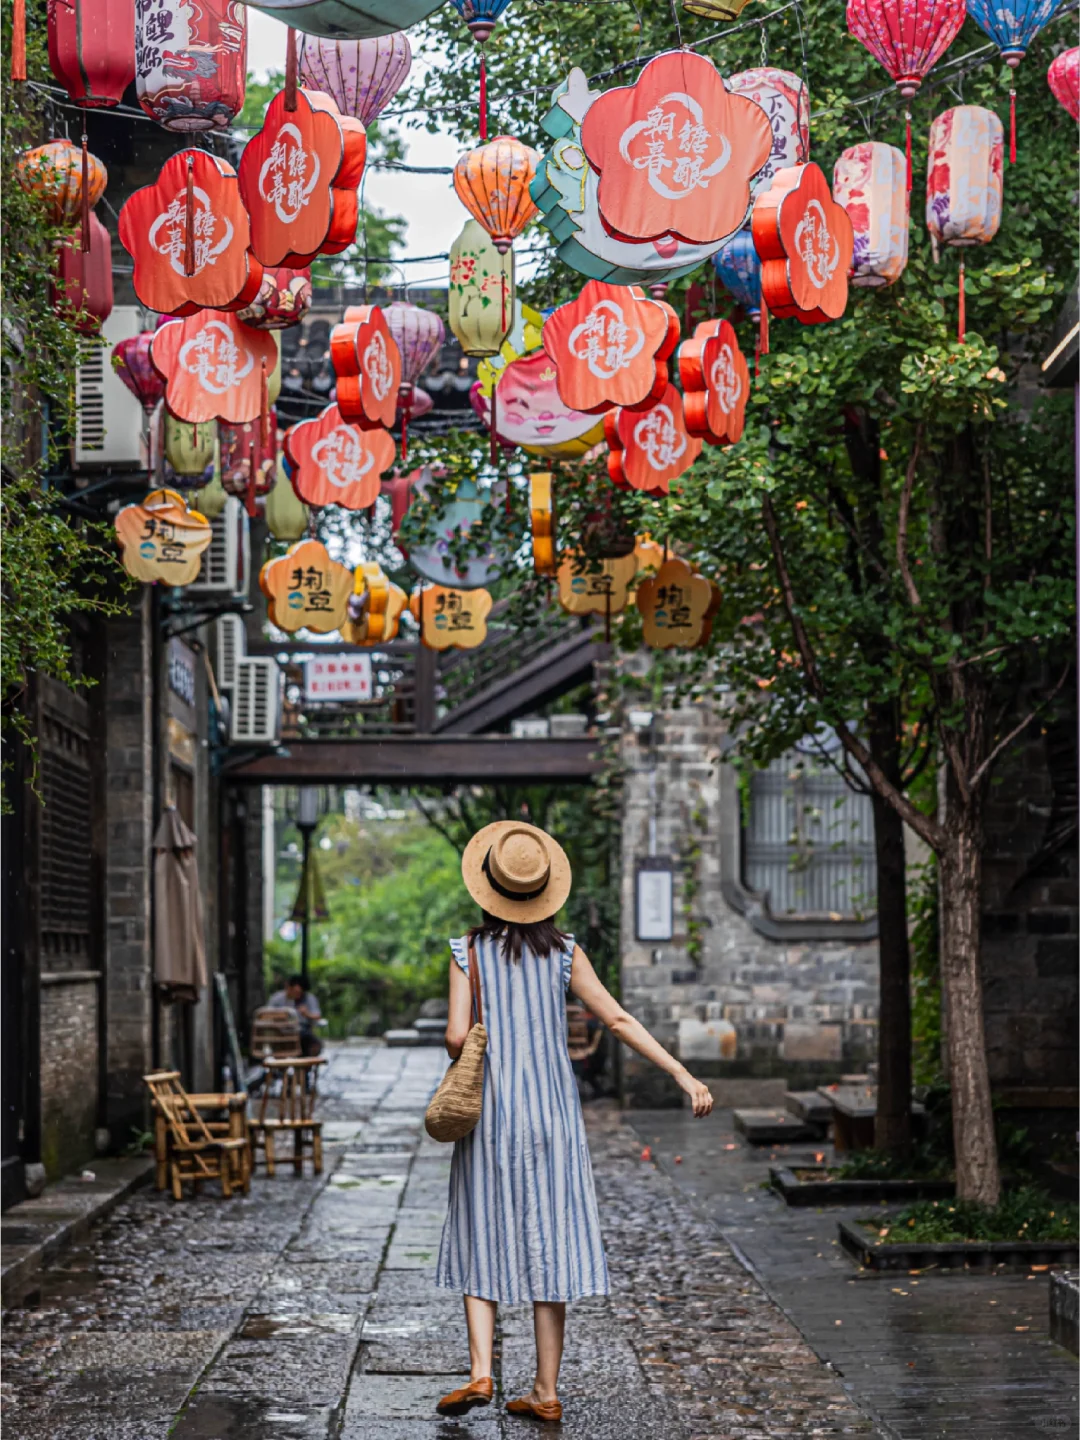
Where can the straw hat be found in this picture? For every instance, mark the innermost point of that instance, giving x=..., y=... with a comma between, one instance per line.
x=516, y=872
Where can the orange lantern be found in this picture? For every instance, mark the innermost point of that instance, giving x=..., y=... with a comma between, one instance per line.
x=492, y=182
x=542, y=519
x=375, y=607
x=450, y=619
x=650, y=448
x=334, y=462
x=214, y=367
x=805, y=242
x=367, y=364
x=306, y=590
x=677, y=606
x=161, y=539
x=69, y=179
x=590, y=586
x=716, y=382
x=610, y=347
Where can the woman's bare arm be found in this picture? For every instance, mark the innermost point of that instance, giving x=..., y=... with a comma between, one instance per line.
x=585, y=984
x=459, y=1019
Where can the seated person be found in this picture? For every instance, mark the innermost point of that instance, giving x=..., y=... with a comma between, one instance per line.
x=295, y=997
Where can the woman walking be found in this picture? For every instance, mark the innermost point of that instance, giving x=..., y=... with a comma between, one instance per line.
x=523, y=1224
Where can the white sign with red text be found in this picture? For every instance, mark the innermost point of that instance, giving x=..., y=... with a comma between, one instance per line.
x=340, y=677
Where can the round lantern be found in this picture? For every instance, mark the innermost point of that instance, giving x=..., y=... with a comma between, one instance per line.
x=131, y=360
x=481, y=291
x=869, y=182
x=92, y=49
x=786, y=101
x=283, y=300
x=722, y=11
x=361, y=76
x=964, y=188
x=286, y=513
x=1063, y=78
x=418, y=334
x=191, y=62
x=212, y=499
x=739, y=270
x=907, y=42
x=492, y=182
x=70, y=179
x=84, y=280
x=481, y=16
x=349, y=19
x=189, y=450
x=1012, y=28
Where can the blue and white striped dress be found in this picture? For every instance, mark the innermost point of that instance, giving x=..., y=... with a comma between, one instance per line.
x=523, y=1223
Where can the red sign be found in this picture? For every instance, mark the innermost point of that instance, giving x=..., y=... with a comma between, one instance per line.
x=367, y=364
x=214, y=366
x=188, y=236
x=675, y=152
x=716, y=383
x=650, y=448
x=298, y=179
x=805, y=242
x=610, y=347
x=336, y=462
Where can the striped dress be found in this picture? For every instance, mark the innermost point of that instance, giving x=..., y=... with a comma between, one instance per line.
x=522, y=1223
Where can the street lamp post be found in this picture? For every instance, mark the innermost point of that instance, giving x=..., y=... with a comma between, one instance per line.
x=307, y=818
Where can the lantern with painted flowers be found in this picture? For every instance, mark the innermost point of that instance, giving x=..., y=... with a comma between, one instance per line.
x=1063, y=77
x=964, y=190
x=492, y=182
x=739, y=270
x=92, y=49
x=869, y=182
x=360, y=76
x=481, y=293
x=190, y=62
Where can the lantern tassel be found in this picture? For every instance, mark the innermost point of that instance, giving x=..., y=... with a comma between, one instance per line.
x=493, y=444
x=189, y=219
x=405, y=407
x=763, y=329
x=18, y=40
x=84, y=243
x=907, y=146
x=290, y=71
x=962, y=318
x=483, y=97
x=1012, y=127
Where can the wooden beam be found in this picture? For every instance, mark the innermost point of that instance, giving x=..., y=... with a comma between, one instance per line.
x=421, y=760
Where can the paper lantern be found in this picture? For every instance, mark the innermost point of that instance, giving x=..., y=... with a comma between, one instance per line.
x=367, y=367
x=92, y=49
x=481, y=16
x=360, y=76
x=419, y=403
x=542, y=523
x=349, y=19
x=435, y=557
x=481, y=291
x=161, y=539
x=675, y=606
x=1063, y=78
x=306, y=590
x=650, y=448
x=530, y=412
x=333, y=462
x=299, y=177
x=450, y=619
x=492, y=182
x=869, y=182
x=212, y=499
x=739, y=269
x=786, y=101
x=565, y=189
x=131, y=361
x=83, y=291
x=189, y=451
x=805, y=242
x=191, y=62
x=283, y=300
x=187, y=235
x=418, y=335
x=660, y=144
x=610, y=347
x=588, y=586
x=716, y=383
x=964, y=189
x=906, y=39
x=216, y=368
x=55, y=172
x=1012, y=27
x=721, y=11
x=375, y=607
x=249, y=459
x=286, y=515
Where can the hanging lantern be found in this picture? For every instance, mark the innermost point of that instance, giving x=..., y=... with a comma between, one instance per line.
x=492, y=182
x=869, y=182
x=481, y=16
x=69, y=179
x=595, y=586
x=786, y=101
x=249, y=459
x=716, y=383
x=530, y=412
x=650, y=448
x=299, y=177
x=739, y=270
x=676, y=606
x=420, y=404
x=611, y=347
x=805, y=242
x=333, y=462
x=360, y=76
x=418, y=335
x=450, y=619
x=212, y=499
x=189, y=451
x=306, y=590
x=216, y=368
x=721, y=11
x=161, y=539
x=542, y=523
x=286, y=515
x=83, y=291
x=1012, y=28
x=1063, y=78
x=131, y=361
x=92, y=49
x=367, y=367
x=375, y=607
x=465, y=509
x=283, y=300
x=481, y=291
x=349, y=19
x=187, y=235
x=964, y=189
x=191, y=62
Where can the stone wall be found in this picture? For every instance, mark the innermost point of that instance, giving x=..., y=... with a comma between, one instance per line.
x=69, y=1072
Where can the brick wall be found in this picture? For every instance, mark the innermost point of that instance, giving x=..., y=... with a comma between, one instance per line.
x=69, y=1074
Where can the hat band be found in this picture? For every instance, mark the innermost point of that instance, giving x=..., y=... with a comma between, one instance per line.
x=512, y=894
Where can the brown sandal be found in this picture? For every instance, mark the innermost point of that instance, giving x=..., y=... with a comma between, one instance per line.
x=537, y=1409
x=459, y=1402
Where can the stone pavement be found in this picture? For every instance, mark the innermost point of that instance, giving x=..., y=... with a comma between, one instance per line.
x=930, y=1357
x=306, y=1310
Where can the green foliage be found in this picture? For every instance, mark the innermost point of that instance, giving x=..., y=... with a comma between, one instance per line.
x=1025, y=1214
x=924, y=1162
x=925, y=980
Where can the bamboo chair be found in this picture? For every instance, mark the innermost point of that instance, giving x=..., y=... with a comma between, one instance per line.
x=195, y=1153
x=291, y=1089
x=274, y=1032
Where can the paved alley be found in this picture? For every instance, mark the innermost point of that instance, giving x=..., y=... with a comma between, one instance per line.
x=307, y=1311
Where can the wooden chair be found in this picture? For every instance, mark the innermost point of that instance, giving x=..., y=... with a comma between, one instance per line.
x=229, y=1112
x=291, y=1088
x=274, y=1032
x=193, y=1151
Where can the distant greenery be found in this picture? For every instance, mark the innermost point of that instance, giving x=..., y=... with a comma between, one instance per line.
x=1027, y=1214
x=925, y=1162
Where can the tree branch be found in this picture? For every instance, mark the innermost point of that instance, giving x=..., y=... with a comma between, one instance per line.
x=1007, y=740
x=902, y=524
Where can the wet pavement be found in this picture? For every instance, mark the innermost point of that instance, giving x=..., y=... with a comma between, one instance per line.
x=306, y=1311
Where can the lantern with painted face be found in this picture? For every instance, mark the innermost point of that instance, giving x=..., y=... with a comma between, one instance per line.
x=191, y=62
x=869, y=182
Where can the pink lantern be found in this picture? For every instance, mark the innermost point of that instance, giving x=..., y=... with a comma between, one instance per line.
x=418, y=334
x=361, y=76
x=420, y=403
x=869, y=182
x=1064, y=80
x=131, y=359
x=191, y=62
x=83, y=291
x=964, y=189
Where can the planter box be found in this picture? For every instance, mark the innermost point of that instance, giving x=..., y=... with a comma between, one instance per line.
x=823, y=1191
x=1065, y=1311
x=988, y=1257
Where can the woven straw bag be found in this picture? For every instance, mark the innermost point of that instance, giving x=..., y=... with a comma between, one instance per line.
x=455, y=1107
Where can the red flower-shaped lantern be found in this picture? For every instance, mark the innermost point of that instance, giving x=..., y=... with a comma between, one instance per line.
x=283, y=300
x=805, y=242
x=716, y=383
x=188, y=236
x=215, y=367
x=492, y=182
x=298, y=178
x=650, y=448
x=190, y=62
x=84, y=282
x=675, y=152
x=92, y=49
x=367, y=364
x=132, y=363
x=336, y=463
x=610, y=347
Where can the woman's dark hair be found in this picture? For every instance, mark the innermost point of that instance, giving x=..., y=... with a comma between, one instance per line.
x=541, y=937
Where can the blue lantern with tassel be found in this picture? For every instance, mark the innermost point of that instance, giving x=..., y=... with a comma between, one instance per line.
x=739, y=270
x=1012, y=28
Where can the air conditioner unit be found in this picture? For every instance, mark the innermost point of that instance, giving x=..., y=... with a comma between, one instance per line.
x=256, y=701
x=109, y=423
x=226, y=560
x=231, y=644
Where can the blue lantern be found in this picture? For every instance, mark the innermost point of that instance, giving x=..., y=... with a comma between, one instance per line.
x=739, y=270
x=481, y=16
x=1012, y=27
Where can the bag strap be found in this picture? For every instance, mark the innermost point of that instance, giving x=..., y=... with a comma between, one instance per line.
x=474, y=984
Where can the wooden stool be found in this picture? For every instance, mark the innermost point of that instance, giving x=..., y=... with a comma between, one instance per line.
x=291, y=1086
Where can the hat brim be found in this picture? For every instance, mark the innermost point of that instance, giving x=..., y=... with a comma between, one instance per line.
x=521, y=912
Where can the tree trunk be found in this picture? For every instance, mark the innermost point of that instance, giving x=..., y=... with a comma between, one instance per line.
x=892, y=1125
x=960, y=878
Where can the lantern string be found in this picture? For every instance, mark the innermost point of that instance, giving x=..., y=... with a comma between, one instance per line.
x=1012, y=127
x=290, y=70
x=18, y=40
x=189, y=219
x=962, y=317
x=483, y=97
x=907, y=146
x=84, y=203
x=492, y=442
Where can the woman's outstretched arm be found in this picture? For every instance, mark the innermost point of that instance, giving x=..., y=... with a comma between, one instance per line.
x=585, y=984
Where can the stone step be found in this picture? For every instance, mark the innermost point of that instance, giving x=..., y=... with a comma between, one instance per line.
x=808, y=1106
x=769, y=1127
